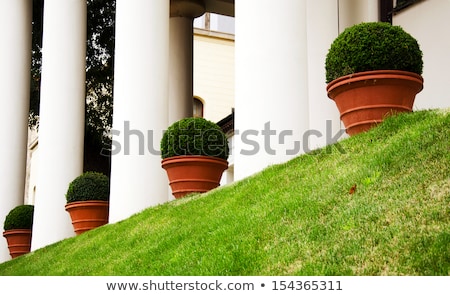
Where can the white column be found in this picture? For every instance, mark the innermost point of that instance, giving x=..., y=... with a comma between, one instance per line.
x=325, y=125
x=61, y=130
x=180, y=68
x=181, y=44
x=15, y=61
x=352, y=12
x=140, y=106
x=272, y=112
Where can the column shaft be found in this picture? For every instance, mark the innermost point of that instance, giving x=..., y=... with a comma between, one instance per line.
x=322, y=30
x=180, y=68
x=61, y=130
x=140, y=106
x=15, y=61
x=271, y=83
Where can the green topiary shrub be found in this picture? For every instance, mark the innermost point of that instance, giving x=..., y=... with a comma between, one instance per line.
x=372, y=46
x=21, y=217
x=194, y=136
x=88, y=186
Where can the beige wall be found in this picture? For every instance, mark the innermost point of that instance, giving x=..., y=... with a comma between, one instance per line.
x=428, y=22
x=214, y=73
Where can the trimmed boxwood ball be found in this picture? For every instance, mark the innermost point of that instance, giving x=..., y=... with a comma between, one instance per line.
x=88, y=186
x=372, y=46
x=21, y=217
x=194, y=136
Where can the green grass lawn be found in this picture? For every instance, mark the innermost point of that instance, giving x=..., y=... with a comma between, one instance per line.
x=296, y=218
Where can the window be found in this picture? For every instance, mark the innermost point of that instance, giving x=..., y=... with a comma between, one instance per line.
x=198, y=107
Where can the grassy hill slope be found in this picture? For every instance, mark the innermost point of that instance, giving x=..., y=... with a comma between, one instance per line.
x=296, y=218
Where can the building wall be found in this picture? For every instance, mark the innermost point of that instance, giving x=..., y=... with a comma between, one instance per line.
x=214, y=72
x=428, y=21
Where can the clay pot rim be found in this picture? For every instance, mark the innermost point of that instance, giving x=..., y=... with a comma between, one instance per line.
x=193, y=158
x=12, y=232
x=375, y=74
x=86, y=202
x=17, y=230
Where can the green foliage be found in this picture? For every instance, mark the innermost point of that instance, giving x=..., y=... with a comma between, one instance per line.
x=194, y=136
x=372, y=46
x=88, y=186
x=99, y=69
x=21, y=217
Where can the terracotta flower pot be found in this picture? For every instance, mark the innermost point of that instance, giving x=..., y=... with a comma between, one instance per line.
x=192, y=174
x=87, y=215
x=364, y=99
x=19, y=241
